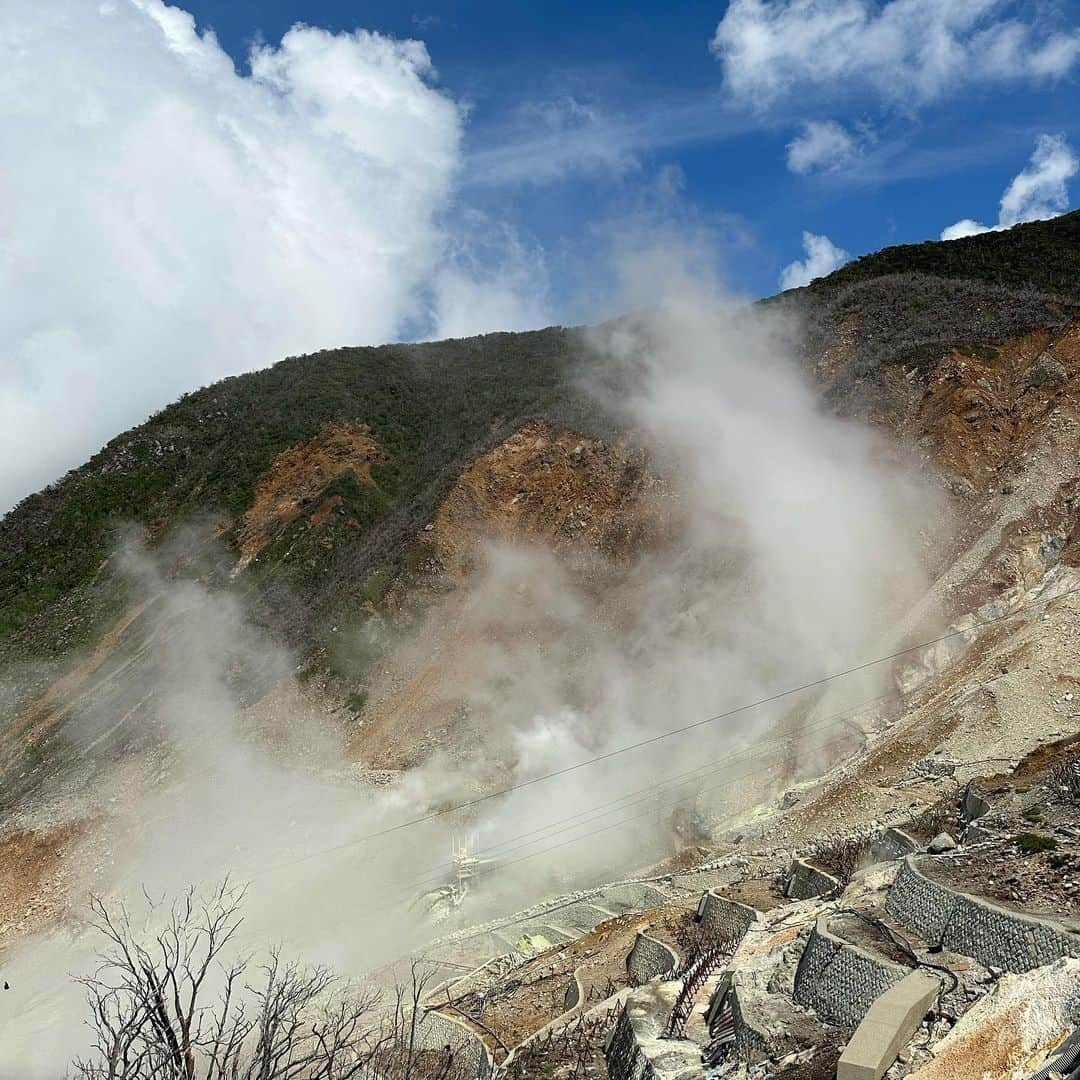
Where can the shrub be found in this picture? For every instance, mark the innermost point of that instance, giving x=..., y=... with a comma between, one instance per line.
x=1033, y=843
x=374, y=587
x=842, y=855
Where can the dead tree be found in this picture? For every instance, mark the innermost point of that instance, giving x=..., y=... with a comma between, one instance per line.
x=169, y=1007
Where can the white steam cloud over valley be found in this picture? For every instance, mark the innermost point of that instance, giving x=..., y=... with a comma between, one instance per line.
x=787, y=551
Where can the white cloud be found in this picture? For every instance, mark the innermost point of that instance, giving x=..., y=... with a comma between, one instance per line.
x=909, y=51
x=822, y=145
x=967, y=227
x=547, y=140
x=168, y=221
x=822, y=257
x=490, y=281
x=1039, y=192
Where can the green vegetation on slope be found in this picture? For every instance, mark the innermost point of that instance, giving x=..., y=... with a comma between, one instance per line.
x=1042, y=255
x=431, y=408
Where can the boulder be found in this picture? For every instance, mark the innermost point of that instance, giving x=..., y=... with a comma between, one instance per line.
x=1046, y=369
x=975, y=804
x=941, y=843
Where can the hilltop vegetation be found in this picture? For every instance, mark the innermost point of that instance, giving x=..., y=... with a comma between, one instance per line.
x=1041, y=255
x=432, y=408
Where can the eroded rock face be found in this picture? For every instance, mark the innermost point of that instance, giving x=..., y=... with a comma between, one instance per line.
x=298, y=476
x=556, y=488
x=983, y=404
x=1008, y=1031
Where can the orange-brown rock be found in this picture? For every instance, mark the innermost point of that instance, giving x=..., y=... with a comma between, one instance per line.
x=298, y=475
x=982, y=404
x=560, y=489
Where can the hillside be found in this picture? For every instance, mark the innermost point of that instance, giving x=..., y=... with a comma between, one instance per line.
x=427, y=411
x=299, y=606
x=1041, y=255
x=433, y=408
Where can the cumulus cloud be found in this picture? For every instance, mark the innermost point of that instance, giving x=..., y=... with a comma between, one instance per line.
x=965, y=227
x=909, y=51
x=822, y=145
x=822, y=257
x=1040, y=191
x=169, y=220
x=491, y=280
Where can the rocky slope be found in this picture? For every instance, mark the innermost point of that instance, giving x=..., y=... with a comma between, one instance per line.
x=353, y=505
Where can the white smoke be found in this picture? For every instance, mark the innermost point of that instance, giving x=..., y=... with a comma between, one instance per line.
x=789, y=549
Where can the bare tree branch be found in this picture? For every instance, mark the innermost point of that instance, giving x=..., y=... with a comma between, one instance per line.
x=168, y=1007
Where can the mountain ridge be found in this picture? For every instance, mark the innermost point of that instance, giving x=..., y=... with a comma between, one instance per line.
x=206, y=452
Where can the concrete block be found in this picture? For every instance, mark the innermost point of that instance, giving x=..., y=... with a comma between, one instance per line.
x=648, y=959
x=892, y=844
x=805, y=882
x=887, y=1027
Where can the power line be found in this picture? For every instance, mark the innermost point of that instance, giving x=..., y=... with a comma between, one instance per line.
x=750, y=751
x=756, y=751
x=405, y=897
x=633, y=796
x=654, y=739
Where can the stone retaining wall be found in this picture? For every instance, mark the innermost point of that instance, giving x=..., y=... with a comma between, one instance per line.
x=840, y=981
x=767, y=1025
x=804, y=882
x=635, y=1050
x=625, y=1061
x=436, y=1031
x=892, y=844
x=750, y=1044
x=587, y=908
x=975, y=927
x=649, y=958
x=631, y=896
x=580, y=917
x=584, y=1010
x=723, y=918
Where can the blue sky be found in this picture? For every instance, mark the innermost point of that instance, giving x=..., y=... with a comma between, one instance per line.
x=197, y=189
x=640, y=81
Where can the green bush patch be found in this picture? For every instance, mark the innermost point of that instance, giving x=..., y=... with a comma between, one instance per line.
x=1033, y=843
